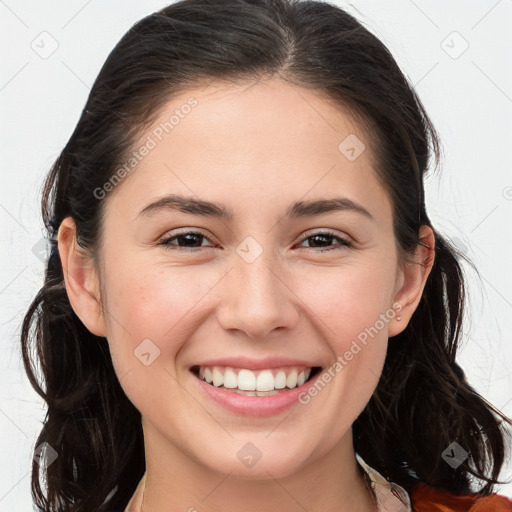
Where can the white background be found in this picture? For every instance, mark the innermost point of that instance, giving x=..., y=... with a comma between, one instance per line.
x=469, y=99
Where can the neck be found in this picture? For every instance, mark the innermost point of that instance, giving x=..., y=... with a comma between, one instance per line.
x=175, y=481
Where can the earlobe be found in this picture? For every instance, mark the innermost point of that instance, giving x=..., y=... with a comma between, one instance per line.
x=81, y=279
x=412, y=281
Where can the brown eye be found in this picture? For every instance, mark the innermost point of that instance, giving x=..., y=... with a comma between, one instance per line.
x=320, y=239
x=188, y=240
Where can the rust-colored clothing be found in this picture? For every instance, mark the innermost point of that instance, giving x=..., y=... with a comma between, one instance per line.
x=426, y=499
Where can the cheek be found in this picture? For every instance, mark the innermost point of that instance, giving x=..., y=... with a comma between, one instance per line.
x=151, y=315
x=351, y=308
x=154, y=304
x=348, y=299
x=348, y=306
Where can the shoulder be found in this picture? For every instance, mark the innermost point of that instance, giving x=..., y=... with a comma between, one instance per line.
x=428, y=499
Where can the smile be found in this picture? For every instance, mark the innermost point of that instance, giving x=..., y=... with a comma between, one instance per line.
x=264, y=382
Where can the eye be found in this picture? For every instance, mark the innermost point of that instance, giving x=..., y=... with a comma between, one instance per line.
x=324, y=237
x=190, y=239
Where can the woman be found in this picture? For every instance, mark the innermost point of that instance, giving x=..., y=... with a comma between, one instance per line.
x=301, y=356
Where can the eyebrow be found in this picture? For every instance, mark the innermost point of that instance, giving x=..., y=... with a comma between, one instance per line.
x=174, y=202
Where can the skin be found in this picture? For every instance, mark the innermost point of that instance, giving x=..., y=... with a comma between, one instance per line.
x=208, y=303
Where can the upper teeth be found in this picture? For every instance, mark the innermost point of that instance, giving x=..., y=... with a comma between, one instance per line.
x=260, y=380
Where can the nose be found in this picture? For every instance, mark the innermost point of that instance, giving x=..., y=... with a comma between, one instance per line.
x=258, y=298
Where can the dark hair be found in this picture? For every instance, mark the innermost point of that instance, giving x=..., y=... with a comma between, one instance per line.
x=422, y=403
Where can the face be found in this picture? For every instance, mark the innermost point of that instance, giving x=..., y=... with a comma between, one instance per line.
x=272, y=283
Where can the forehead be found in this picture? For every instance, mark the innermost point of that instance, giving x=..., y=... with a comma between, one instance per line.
x=238, y=142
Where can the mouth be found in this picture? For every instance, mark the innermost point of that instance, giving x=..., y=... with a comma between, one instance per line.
x=264, y=382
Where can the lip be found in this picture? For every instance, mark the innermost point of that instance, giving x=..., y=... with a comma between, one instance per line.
x=256, y=364
x=255, y=406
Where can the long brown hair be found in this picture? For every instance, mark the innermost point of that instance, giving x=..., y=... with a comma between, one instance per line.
x=423, y=402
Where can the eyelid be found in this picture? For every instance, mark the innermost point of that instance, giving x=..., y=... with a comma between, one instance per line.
x=184, y=231
x=322, y=231
x=327, y=231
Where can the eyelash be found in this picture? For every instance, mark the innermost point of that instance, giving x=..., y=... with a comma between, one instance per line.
x=344, y=243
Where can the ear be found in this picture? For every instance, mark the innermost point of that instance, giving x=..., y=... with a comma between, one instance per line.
x=81, y=279
x=412, y=279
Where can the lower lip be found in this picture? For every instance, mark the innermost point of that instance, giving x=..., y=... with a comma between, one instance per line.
x=255, y=405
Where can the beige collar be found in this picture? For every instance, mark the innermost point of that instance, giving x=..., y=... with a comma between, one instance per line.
x=391, y=497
